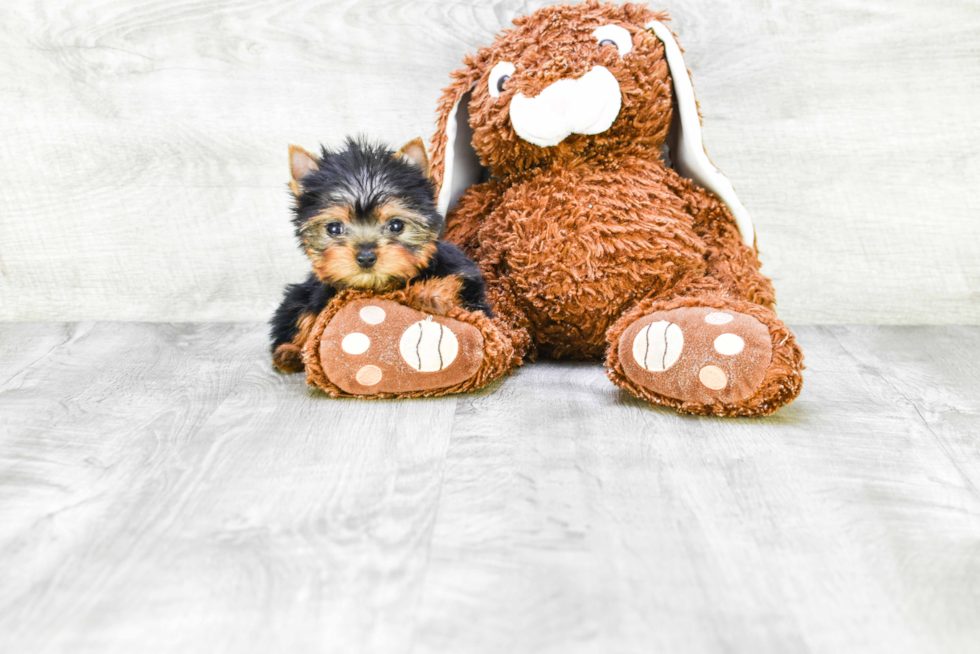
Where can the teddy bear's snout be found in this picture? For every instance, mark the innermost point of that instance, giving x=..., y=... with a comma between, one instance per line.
x=587, y=105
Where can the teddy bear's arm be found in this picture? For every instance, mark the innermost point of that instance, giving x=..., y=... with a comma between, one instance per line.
x=463, y=222
x=730, y=262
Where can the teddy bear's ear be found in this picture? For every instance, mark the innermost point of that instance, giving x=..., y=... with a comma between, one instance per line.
x=455, y=164
x=684, y=142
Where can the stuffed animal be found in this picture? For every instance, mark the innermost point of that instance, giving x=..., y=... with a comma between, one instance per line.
x=569, y=159
x=569, y=164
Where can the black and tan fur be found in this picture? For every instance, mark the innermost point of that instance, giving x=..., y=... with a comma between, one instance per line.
x=366, y=218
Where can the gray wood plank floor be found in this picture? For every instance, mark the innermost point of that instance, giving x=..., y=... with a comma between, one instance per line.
x=162, y=490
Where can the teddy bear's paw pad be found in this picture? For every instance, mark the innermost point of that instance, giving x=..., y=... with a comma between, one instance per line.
x=697, y=354
x=380, y=346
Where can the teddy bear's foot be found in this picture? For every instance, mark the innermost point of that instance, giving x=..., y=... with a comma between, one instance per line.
x=697, y=354
x=373, y=347
x=702, y=359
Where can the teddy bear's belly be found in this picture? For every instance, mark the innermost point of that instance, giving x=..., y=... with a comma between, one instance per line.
x=579, y=245
x=572, y=287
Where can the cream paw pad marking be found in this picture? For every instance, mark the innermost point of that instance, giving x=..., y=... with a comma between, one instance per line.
x=697, y=354
x=380, y=346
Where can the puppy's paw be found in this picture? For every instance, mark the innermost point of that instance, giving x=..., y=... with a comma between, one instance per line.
x=437, y=295
x=288, y=358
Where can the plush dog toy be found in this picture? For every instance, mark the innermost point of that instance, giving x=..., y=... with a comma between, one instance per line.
x=570, y=161
x=569, y=164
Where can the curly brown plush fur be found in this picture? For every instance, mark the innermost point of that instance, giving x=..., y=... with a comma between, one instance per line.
x=578, y=240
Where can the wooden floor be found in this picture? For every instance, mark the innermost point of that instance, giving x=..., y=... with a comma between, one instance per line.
x=162, y=490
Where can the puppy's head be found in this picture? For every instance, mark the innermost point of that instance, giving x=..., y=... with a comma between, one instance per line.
x=365, y=215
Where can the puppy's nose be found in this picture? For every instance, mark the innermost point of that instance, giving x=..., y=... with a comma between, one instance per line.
x=366, y=258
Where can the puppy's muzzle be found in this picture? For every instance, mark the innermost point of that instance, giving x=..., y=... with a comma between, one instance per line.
x=587, y=105
x=366, y=258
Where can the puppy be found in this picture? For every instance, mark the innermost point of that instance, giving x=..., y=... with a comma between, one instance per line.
x=366, y=218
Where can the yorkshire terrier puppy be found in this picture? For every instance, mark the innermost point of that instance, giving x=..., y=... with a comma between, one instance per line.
x=366, y=218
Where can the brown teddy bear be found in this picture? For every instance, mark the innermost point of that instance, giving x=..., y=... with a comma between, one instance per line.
x=569, y=161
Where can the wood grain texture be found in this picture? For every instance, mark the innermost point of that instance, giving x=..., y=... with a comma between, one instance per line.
x=171, y=478
x=162, y=490
x=143, y=165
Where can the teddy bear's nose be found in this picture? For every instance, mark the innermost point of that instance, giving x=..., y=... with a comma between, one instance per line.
x=557, y=103
x=585, y=105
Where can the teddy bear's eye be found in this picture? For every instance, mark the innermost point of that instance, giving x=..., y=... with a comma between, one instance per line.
x=498, y=77
x=615, y=35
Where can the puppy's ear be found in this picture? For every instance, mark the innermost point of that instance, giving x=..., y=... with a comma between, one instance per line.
x=301, y=164
x=414, y=153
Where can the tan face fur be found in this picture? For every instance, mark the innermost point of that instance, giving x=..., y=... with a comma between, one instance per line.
x=400, y=255
x=401, y=239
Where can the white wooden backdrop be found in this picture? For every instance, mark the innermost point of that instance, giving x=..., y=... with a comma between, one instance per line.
x=143, y=143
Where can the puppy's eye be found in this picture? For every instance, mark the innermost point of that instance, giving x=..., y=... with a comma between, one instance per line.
x=614, y=35
x=335, y=229
x=498, y=77
x=395, y=226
